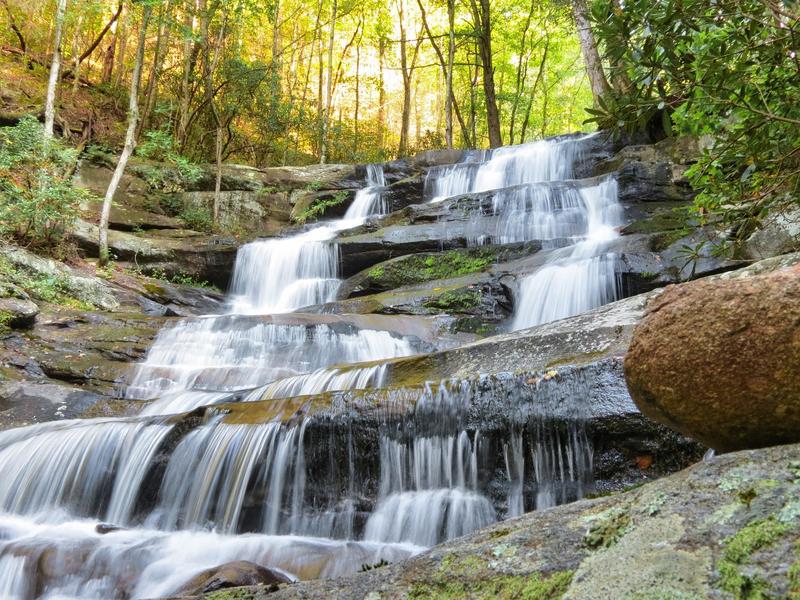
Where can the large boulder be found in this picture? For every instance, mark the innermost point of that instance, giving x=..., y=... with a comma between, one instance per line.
x=230, y=575
x=719, y=360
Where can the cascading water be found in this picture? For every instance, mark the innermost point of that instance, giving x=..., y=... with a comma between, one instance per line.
x=187, y=485
x=282, y=275
x=201, y=361
x=533, y=200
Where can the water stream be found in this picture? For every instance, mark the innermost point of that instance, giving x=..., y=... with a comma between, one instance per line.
x=186, y=491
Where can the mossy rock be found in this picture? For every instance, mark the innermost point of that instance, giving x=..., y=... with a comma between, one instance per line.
x=430, y=266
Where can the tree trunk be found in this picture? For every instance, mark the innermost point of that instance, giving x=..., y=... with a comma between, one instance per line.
x=76, y=69
x=93, y=46
x=186, y=77
x=483, y=25
x=358, y=93
x=522, y=74
x=326, y=114
x=162, y=44
x=130, y=136
x=55, y=68
x=381, y=94
x=405, y=117
x=447, y=69
x=122, y=46
x=448, y=83
x=13, y=24
x=594, y=65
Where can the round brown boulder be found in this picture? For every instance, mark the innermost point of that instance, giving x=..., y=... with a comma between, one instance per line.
x=719, y=360
x=234, y=574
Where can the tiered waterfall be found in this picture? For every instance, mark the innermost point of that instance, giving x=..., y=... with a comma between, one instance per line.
x=182, y=481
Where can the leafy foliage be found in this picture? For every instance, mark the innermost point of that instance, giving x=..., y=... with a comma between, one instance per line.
x=727, y=69
x=177, y=172
x=38, y=202
x=319, y=206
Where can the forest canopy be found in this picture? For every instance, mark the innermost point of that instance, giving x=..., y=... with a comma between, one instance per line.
x=288, y=81
x=292, y=82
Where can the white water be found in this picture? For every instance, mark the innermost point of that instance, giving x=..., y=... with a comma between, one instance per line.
x=576, y=278
x=144, y=563
x=201, y=361
x=505, y=167
x=281, y=275
x=580, y=277
x=186, y=501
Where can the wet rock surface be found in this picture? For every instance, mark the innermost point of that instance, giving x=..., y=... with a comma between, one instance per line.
x=719, y=529
x=719, y=360
x=235, y=574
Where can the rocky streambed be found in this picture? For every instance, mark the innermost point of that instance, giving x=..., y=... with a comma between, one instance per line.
x=443, y=351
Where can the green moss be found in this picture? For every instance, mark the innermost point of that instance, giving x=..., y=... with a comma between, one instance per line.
x=794, y=575
x=460, y=301
x=665, y=220
x=421, y=268
x=503, y=587
x=662, y=241
x=738, y=550
x=607, y=528
x=578, y=359
x=154, y=289
x=5, y=318
x=232, y=594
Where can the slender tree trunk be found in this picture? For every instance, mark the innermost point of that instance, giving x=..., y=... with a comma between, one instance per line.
x=108, y=62
x=320, y=77
x=483, y=24
x=522, y=72
x=162, y=44
x=358, y=94
x=55, y=68
x=405, y=117
x=98, y=40
x=536, y=84
x=594, y=65
x=130, y=136
x=76, y=69
x=326, y=115
x=381, y=94
x=122, y=46
x=189, y=58
x=448, y=83
x=13, y=24
x=447, y=69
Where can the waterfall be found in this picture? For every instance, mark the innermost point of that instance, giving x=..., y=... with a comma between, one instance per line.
x=202, y=361
x=316, y=495
x=281, y=275
x=580, y=277
x=533, y=199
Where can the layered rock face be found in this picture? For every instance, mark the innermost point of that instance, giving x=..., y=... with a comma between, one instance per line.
x=727, y=528
x=719, y=360
x=440, y=351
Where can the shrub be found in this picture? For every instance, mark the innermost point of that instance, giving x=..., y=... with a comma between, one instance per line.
x=197, y=218
x=177, y=174
x=38, y=202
